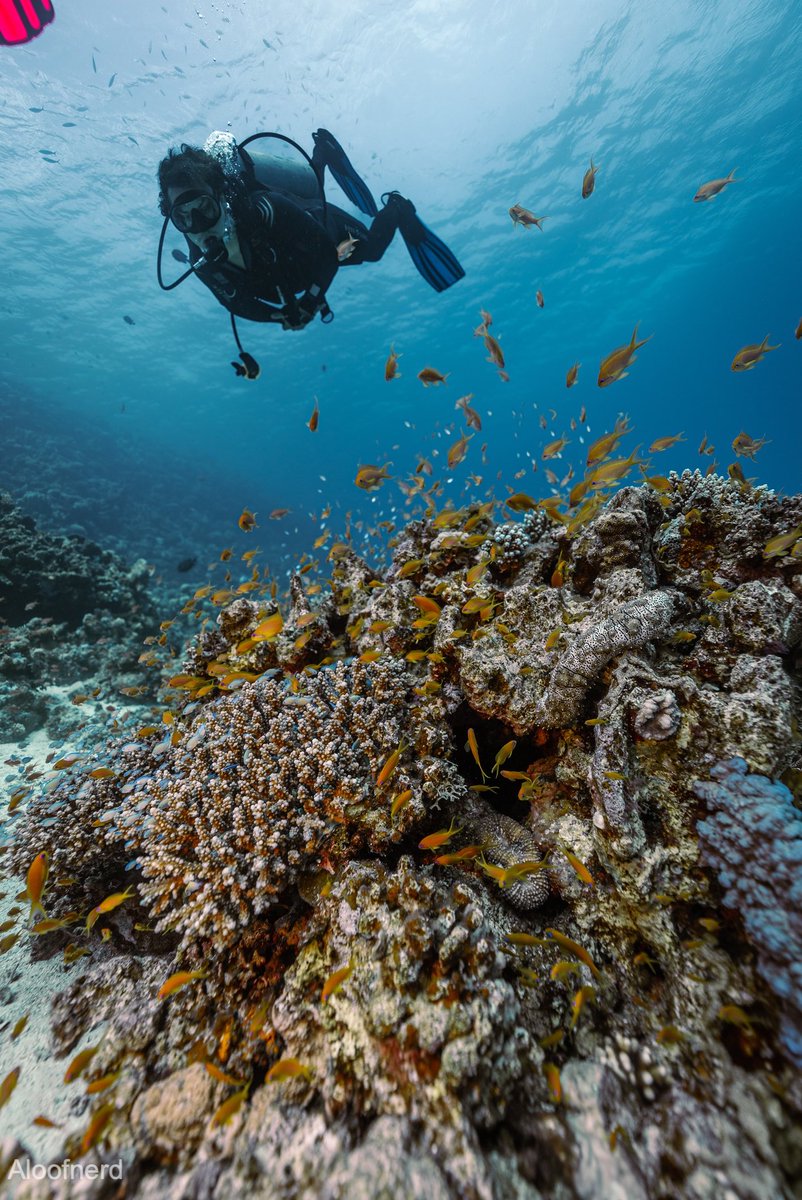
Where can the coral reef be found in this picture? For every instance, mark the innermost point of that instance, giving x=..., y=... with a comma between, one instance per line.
x=752, y=838
x=411, y=890
x=70, y=612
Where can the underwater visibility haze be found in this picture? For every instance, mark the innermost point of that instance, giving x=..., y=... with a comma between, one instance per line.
x=402, y=757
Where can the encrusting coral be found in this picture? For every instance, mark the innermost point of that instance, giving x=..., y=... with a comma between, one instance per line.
x=432, y=872
x=752, y=837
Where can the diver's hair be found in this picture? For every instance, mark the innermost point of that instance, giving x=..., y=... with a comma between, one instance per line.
x=189, y=168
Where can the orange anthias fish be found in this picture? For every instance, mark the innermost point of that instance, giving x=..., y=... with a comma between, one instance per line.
x=523, y=217
x=798, y=331
x=570, y=378
x=287, y=1068
x=749, y=356
x=589, y=180
x=107, y=905
x=388, y=770
x=177, y=981
x=36, y=882
x=334, y=981
x=315, y=417
x=346, y=248
x=370, y=478
x=614, y=366
x=554, y=448
x=663, y=443
x=391, y=366
x=606, y=445
x=472, y=418
x=494, y=350
x=520, y=502
x=442, y=837
x=708, y=190
x=748, y=447
x=457, y=452
x=539, y=299
x=429, y=377
x=247, y=521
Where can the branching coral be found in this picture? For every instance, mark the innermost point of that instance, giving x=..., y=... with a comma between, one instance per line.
x=263, y=786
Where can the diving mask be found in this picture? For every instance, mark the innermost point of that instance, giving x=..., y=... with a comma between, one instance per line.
x=195, y=212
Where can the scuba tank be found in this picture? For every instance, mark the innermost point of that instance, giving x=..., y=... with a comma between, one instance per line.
x=274, y=166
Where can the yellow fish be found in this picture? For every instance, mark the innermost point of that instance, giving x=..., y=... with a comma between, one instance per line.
x=606, y=445
x=80, y=1063
x=749, y=356
x=614, y=366
x=370, y=478
x=617, y=468
x=503, y=754
x=287, y=1068
x=8, y=1085
x=551, y=1071
x=570, y=378
x=96, y=1127
x=777, y=546
x=663, y=443
x=554, y=448
x=107, y=905
x=334, y=981
x=520, y=502
x=269, y=628
x=388, y=770
x=457, y=452
x=582, y=997
x=589, y=180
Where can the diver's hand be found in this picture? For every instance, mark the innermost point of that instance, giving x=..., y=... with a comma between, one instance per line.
x=298, y=314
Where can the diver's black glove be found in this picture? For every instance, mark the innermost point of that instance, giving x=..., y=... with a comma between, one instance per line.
x=249, y=367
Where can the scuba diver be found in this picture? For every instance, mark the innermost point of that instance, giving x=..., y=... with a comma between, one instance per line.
x=262, y=237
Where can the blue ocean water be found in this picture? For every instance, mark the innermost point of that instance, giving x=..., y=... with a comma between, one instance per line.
x=140, y=435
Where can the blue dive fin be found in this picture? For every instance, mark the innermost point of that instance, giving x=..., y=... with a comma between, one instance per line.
x=329, y=153
x=432, y=258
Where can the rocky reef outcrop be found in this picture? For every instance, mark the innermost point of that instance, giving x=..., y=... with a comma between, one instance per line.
x=447, y=885
x=69, y=611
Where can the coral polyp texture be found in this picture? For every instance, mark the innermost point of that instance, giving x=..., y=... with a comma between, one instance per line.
x=475, y=879
x=752, y=838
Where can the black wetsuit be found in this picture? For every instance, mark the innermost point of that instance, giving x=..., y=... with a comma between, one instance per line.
x=287, y=250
